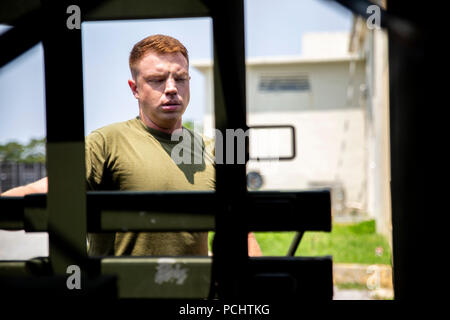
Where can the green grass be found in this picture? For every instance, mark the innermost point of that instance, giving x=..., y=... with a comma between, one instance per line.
x=347, y=243
x=350, y=286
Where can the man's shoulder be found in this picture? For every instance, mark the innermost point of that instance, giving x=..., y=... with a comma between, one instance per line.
x=114, y=129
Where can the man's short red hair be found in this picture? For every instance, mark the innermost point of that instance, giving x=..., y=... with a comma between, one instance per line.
x=158, y=43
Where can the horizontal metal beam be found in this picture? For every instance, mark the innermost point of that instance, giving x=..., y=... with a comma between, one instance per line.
x=35, y=279
x=189, y=277
x=28, y=213
x=25, y=268
x=12, y=213
x=404, y=29
x=288, y=211
x=12, y=10
x=27, y=17
x=144, y=9
x=17, y=40
x=290, y=278
x=143, y=277
x=155, y=221
x=177, y=211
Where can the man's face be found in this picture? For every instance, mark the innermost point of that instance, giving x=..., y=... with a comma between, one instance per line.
x=161, y=86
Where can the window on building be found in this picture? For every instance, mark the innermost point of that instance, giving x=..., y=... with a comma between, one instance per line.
x=284, y=83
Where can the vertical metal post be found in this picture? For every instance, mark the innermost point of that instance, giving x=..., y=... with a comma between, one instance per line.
x=410, y=133
x=230, y=243
x=65, y=138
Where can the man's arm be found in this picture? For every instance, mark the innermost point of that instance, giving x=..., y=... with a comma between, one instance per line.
x=40, y=186
x=253, y=247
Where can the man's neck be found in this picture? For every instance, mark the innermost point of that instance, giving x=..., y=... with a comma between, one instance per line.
x=149, y=123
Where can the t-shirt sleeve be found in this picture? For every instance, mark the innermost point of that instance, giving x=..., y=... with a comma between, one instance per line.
x=99, y=244
x=95, y=146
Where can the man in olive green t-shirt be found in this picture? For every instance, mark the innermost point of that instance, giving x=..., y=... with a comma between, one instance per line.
x=131, y=156
x=136, y=154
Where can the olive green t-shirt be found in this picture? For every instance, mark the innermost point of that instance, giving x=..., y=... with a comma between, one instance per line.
x=130, y=156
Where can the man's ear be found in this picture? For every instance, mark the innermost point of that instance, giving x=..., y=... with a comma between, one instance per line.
x=133, y=88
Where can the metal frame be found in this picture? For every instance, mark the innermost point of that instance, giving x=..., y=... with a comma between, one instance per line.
x=233, y=273
x=140, y=211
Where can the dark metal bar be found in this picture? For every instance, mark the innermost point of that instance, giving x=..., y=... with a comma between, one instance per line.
x=359, y=7
x=26, y=33
x=144, y=9
x=230, y=241
x=290, y=278
x=265, y=211
x=294, y=244
x=113, y=9
x=169, y=201
x=404, y=29
x=11, y=213
x=272, y=278
x=65, y=136
x=412, y=126
x=63, y=76
x=28, y=30
x=139, y=277
x=307, y=210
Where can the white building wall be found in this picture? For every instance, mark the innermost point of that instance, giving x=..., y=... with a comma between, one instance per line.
x=330, y=148
x=379, y=164
x=331, y=151
x=372, y=44
x=330, y=126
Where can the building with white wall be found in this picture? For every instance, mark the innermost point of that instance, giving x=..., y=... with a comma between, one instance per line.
x=323, y=94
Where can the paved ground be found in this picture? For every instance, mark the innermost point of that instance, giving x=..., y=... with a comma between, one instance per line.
x=351, y=294
x=18, y=245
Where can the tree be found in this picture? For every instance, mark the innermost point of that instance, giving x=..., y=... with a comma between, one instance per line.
x=12, y=151
x=32, y=152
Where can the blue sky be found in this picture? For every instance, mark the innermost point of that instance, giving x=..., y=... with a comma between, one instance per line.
x=272, y=28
